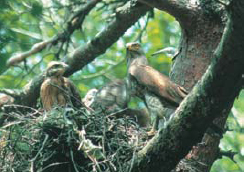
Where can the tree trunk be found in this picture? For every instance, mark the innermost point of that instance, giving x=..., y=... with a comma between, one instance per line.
x=197, y=47
x=202, y=29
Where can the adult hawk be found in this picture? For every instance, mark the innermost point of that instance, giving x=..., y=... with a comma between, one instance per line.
x=154, y=88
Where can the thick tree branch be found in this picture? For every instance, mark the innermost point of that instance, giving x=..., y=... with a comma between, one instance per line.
x=125, y=17
x=184, y=11
x=73, y=23
x=202, y=105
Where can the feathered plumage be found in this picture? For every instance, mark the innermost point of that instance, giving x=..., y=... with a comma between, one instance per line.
x=57, y=90
x=156, y=89
x=113, y=98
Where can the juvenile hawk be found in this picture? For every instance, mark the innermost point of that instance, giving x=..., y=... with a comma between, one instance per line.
x=57, y=90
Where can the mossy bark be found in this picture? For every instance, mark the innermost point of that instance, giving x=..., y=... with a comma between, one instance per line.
x=211, y=98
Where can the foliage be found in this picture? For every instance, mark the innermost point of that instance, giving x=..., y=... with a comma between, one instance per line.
x=233, y=140
x=26, y=22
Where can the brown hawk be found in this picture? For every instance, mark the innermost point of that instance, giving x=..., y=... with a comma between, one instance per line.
x=156, y=89
x=113, y=98
x=57, y=90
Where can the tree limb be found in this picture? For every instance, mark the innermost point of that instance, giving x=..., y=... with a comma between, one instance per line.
x=17, y=58
x=203, y=104
x=125, y=17
x=230, y=154
x=73, y=23
x=183, y=11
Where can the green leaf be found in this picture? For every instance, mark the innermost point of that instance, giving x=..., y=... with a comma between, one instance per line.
x=37, y=9
x=28, y=33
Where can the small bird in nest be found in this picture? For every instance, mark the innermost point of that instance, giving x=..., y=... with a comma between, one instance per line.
x=57, y=90
x=153, y=87
x=113, y=98
x=89, y=98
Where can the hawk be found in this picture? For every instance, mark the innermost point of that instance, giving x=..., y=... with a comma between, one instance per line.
x=114, y=98
x=111, y=98
x=153, y=87
x=57, y=90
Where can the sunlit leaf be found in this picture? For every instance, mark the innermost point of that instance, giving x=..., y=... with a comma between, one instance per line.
x=28, y=33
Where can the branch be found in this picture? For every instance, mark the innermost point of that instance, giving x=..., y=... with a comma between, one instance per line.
x=183, y=11
x=125, y=17
x=73, y=23
x=230, y=154
x=17, y=58
x=11, y=92
x=203, y=104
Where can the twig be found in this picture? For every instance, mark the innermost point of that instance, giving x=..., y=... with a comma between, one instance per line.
x=53, y=164
x=12, y=123
x=133, y=158
x=73, y=162
x=71, y=27
x=11, y=92
x=117, y=112
x=40, y=150
x=230, y=154
x=25, y=107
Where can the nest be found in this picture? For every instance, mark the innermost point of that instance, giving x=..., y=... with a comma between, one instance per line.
x=66, y=140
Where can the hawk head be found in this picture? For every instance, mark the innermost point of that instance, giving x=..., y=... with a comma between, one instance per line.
x=56, y=68
x=135, y=54
x=90, y=97
x=133, y=46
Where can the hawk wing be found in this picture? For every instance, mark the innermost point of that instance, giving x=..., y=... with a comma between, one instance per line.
x=74, y=93
x=158, y=83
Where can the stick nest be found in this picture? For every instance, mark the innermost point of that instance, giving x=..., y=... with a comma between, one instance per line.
x=66, y=139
